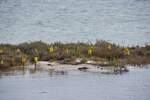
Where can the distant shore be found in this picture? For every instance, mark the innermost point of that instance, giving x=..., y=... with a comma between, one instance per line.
x=102, y=53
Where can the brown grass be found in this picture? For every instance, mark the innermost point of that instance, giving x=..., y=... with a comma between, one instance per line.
x=70, y=51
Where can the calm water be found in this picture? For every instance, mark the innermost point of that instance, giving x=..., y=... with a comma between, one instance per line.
x=121, y=21
x=75, y=85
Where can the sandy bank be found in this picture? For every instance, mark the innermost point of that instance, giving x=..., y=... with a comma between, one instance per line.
x=57, y=67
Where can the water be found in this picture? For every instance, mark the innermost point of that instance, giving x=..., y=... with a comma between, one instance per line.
x=126, y=22
x=76, y=85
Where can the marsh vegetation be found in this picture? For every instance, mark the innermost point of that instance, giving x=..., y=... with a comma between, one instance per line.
x=101, y=52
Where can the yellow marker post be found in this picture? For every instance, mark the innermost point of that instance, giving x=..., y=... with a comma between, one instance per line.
x=35, y=60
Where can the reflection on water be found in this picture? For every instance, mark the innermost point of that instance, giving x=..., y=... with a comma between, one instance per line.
x=31, y=71
x=38, y=70
x=29, y=84
x=50, y=72
x=13, y=72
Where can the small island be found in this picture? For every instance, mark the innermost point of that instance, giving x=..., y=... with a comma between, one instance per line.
x=101, y=55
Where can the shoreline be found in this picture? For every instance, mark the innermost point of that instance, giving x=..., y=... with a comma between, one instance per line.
x=101, y=53
x=61, y=68
x=56, y=68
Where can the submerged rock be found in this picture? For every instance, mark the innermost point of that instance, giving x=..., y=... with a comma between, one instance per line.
x=82, y=68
